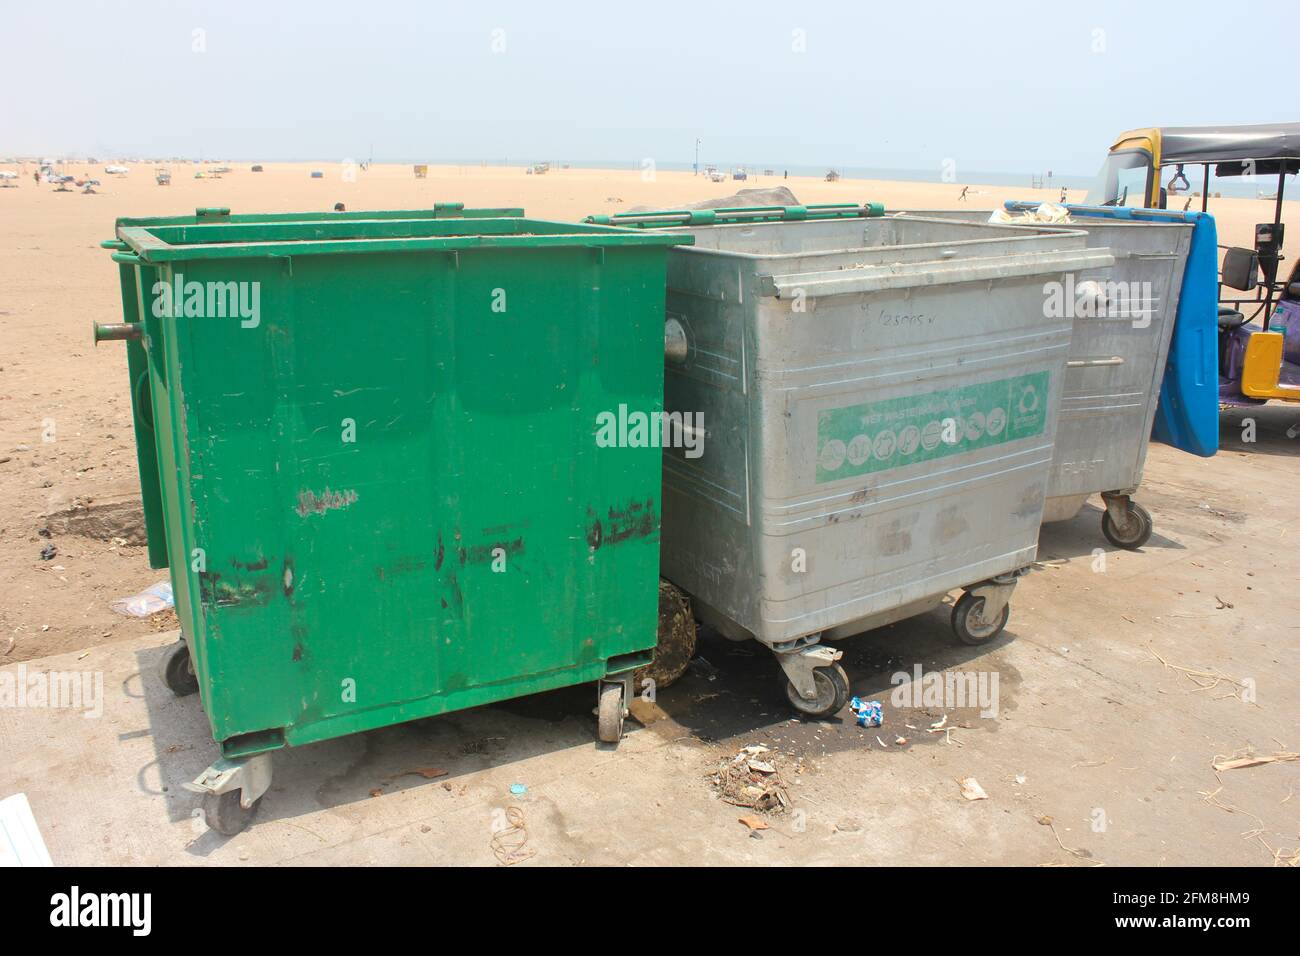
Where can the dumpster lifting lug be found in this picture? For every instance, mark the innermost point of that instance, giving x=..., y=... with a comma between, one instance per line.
x=800, y=658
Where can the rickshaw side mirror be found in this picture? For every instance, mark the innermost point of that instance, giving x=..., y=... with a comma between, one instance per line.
x=1240, y=269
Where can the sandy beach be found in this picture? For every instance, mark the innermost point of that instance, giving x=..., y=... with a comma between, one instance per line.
x=65, y=426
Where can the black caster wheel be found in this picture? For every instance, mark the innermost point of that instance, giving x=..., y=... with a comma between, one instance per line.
x=225, y=814
x=1135, y=532
x=609, y=713
x=968, y=621
x=832, y=686
x=177, y=670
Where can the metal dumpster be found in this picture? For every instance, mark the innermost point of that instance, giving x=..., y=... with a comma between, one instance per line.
x=1124, y=318
x=377, y=481
x=137, y=366
x=879, y=401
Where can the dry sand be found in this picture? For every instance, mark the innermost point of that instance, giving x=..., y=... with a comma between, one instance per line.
x=65, y=416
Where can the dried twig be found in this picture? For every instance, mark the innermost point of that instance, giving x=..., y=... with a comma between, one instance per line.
x=1236, y=762
x=1204, y=680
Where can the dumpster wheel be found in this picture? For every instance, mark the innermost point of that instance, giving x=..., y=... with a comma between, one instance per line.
x=1135, y=532
x=177, y=670
x=609, y=712
x=968, y=621
x=676, y=641
x=832, y=692
x=225, y=813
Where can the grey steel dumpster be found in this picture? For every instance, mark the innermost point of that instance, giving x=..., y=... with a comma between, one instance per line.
x=879, y=401
x=1124, y=318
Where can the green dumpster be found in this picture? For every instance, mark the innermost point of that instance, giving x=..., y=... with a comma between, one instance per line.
x=375, y=472
x=146, y=452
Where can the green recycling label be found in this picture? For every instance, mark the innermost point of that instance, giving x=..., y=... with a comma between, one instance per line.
x=877, y=436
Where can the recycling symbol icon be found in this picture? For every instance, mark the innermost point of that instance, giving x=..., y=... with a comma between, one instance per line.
x=1028, y=400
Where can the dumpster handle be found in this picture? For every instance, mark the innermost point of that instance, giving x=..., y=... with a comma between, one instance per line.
x=880, y=277
x=739, y=214
x=1095, y=363
x=127, y=258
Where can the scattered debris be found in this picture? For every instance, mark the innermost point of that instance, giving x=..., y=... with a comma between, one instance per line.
x=510, y=843
x=428, y=773
x=868, y=712
x=703, y=668
x=48, y=552
x=744, y=781
x=1223, y=604
x=1252, y=760
x=1212, y=798
x=155, y=598
x=1091, y=763
x=755, y=823
x=848, y=825
x=1283, y=857
x=1081, y=854
x=1204, y=680
x=971, y=789
x=518, y=789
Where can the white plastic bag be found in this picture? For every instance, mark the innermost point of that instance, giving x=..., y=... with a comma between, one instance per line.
x=151, y=600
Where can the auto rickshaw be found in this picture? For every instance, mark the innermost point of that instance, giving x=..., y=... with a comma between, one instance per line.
x=1259, y=334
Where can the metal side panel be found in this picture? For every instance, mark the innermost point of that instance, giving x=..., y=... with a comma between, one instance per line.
x=397, y=490
x=1117, y=360
x=905, y=443
x=866, y=450
x=1117, y=356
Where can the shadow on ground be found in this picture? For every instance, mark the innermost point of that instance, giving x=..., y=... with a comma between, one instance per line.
x=1276, y=429
x=732, y=695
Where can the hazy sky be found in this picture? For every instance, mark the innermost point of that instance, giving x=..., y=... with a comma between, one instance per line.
x=997, y=86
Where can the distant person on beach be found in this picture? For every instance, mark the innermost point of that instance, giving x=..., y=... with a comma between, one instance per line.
x=37, y=176
x=1064, y=200
x=964, y=191
x=338, y=207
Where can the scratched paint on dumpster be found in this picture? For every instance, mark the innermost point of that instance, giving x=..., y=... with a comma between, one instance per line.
x=877, y=436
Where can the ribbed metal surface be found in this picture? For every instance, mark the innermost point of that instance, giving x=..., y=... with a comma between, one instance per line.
x=1117, y=358
x=821, y=424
